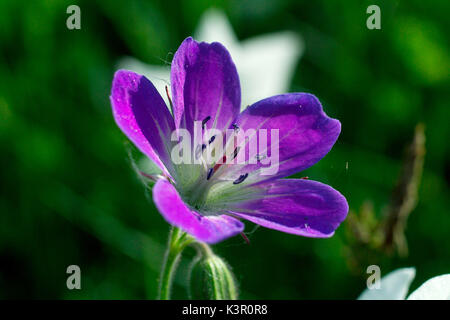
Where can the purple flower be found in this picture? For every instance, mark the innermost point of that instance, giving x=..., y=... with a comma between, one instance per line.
x=207, y=201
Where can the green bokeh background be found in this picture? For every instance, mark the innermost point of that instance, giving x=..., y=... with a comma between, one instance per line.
x=69, y=194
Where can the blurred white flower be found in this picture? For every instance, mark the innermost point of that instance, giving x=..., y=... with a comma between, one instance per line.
x=395, y=286
x=437, y=288
x=265, y=63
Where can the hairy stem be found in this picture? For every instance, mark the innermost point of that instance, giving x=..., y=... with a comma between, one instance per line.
x=178, y=240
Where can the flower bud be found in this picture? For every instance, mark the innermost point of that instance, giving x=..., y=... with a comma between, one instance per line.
x=211, y=279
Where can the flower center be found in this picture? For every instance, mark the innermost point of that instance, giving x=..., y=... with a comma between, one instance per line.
x=217, y=159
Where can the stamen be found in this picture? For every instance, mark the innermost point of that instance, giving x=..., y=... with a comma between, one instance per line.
x=245, y=238
x=197, y=151
x=259, y=157
x=218, y=164
x=236, y=151
x=240, y=179
x=235, y=127
x=210, y=173
x=211, y=140
x=197, y=215
x=170, y=100
x=150, y=176
x=205, y=121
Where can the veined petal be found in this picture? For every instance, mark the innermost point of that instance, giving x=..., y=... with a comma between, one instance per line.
x=211, y=229
x=302, y=135
x=142, y=115
x=303, y=207
x=205, y=84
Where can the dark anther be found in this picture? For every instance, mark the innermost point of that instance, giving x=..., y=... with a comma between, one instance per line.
x=198, y=216
x=205, y=121
x=199, y=149
x=236, y=151
x=241, y=178
x=211, y=140
x=259, y=157
x=235, y=127
x=210, y=172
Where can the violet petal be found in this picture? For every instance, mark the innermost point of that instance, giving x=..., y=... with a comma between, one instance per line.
x=210, y=229
x=140, y=112
x=303, y=207
x=205, y=83
x=306, y=134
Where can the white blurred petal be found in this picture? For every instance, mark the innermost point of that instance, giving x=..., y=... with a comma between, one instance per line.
x=437, y=288
x=159, y=75
x=265, y=63
x=215, y=27
x=394, y=286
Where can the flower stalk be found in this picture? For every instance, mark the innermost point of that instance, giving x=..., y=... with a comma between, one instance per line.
x=178, y=240
x=210, y=277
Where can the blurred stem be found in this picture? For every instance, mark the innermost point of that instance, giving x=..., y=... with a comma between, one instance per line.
x=405, y=195
x=178, y=240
